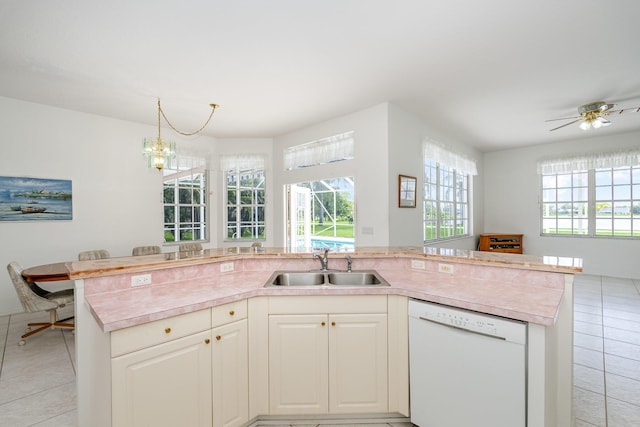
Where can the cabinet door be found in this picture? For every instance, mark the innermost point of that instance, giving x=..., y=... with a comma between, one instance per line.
x=358, y=380
x=298, y=364
x=165, y=385
x=230, y=375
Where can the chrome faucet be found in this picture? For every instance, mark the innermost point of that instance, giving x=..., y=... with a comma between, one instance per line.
x=324, y=260
x=349, y=263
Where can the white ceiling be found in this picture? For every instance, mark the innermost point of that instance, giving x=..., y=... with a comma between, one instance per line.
x=487, y=73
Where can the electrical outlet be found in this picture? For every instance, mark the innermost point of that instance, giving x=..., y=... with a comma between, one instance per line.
x=445, y=268
x=141, y=279
x=417, y=263
x=367, y=230
x=226, y=267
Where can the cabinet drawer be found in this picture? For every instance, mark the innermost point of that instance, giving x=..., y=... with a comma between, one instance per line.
x=227, y=313
x=159, y=331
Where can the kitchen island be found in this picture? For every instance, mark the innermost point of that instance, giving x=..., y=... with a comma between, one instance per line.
x=118, y=298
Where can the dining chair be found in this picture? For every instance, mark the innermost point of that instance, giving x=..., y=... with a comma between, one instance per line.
x=33, y=299
x=94, y=254
x=188, y=247
x=145, y=250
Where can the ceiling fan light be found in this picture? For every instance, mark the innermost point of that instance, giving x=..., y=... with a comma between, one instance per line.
x=585, y=125
x=596, y=124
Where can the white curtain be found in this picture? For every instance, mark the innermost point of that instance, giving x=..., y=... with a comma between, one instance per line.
x=242, y=162
x=435, y=151
x=585, y=162
x=326, y=150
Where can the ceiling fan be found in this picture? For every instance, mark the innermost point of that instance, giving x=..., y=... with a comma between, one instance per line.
x=593, y=115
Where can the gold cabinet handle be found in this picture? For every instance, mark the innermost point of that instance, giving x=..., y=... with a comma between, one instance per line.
x=207, y=341
x=231, y=313
x=218, y=337
x=322, y=323
x=333, y=323
x=167, y=330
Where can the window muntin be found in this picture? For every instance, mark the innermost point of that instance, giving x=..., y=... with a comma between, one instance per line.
x=598, y=202
x=245, y=204
x=565, y=207
x=446, y=202
x=185, y=205
x=320, y=214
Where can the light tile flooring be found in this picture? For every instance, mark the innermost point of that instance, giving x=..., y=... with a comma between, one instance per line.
x=37, y=381
x=606, y=354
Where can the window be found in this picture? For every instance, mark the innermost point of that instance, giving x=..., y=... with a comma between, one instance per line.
x=185, y=200
x=245, y=197
x=446, y=205
x=593, y=195
x=612, y=210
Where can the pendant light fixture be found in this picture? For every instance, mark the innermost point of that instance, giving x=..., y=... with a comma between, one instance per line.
x=160, y=153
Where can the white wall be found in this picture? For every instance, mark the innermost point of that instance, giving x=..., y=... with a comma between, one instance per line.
x=369, y=169
x=117, y=200
x=406, y=134
x=512, y=205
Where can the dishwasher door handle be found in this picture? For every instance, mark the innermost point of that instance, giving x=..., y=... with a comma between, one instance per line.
x=463, y=329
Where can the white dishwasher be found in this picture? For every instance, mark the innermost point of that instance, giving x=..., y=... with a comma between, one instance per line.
x=467, y=369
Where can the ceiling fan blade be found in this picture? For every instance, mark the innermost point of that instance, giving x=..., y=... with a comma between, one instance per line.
x=566, y=124
x=625, y=110
x=564, y=118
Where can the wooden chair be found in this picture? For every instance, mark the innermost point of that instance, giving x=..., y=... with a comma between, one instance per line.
x=190, y=247
x=33, y=299
x=145, y=250
x=94, y=254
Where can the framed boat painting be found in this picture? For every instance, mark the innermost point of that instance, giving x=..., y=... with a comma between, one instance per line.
x=406, y=191
x=35, y=199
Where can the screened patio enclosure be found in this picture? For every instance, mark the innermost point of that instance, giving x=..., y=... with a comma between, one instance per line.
x=321, y=214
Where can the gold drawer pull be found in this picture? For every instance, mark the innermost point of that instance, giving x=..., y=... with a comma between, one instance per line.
x=322, y=323
x=207, y=341
x=167, y=330
x=333, y=323
x=231, y=313
x=218, y=337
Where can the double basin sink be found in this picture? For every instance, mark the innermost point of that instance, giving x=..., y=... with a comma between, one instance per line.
x=328, y=278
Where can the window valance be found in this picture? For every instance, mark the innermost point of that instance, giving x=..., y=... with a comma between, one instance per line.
x=242, y=162
x=326, y=150
x=438, y=153
x=590, y=161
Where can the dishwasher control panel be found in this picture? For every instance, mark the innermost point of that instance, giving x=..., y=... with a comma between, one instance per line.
x=480, y=323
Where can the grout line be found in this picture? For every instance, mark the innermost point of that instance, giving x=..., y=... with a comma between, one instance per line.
x=604, y=360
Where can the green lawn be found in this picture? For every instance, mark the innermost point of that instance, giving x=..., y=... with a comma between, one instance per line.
x=343, y=229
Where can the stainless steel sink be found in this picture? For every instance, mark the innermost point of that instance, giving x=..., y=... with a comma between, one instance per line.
x=329, y=278
x=354, y=278
x=296, y=279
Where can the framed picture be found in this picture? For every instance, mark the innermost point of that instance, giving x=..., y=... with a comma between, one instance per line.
x=407, y=191
x=35, y=199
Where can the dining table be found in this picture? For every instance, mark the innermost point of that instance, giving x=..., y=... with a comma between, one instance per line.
x=47, y=273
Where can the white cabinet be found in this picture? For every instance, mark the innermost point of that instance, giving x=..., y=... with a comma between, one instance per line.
x=298, y=364
x=230, y=366
x=185, y=370
x=164, y=385
x=328, y=363
x=358, y=363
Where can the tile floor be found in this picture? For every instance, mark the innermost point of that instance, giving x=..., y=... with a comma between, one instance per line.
x=37, y=381
x=606, y=354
